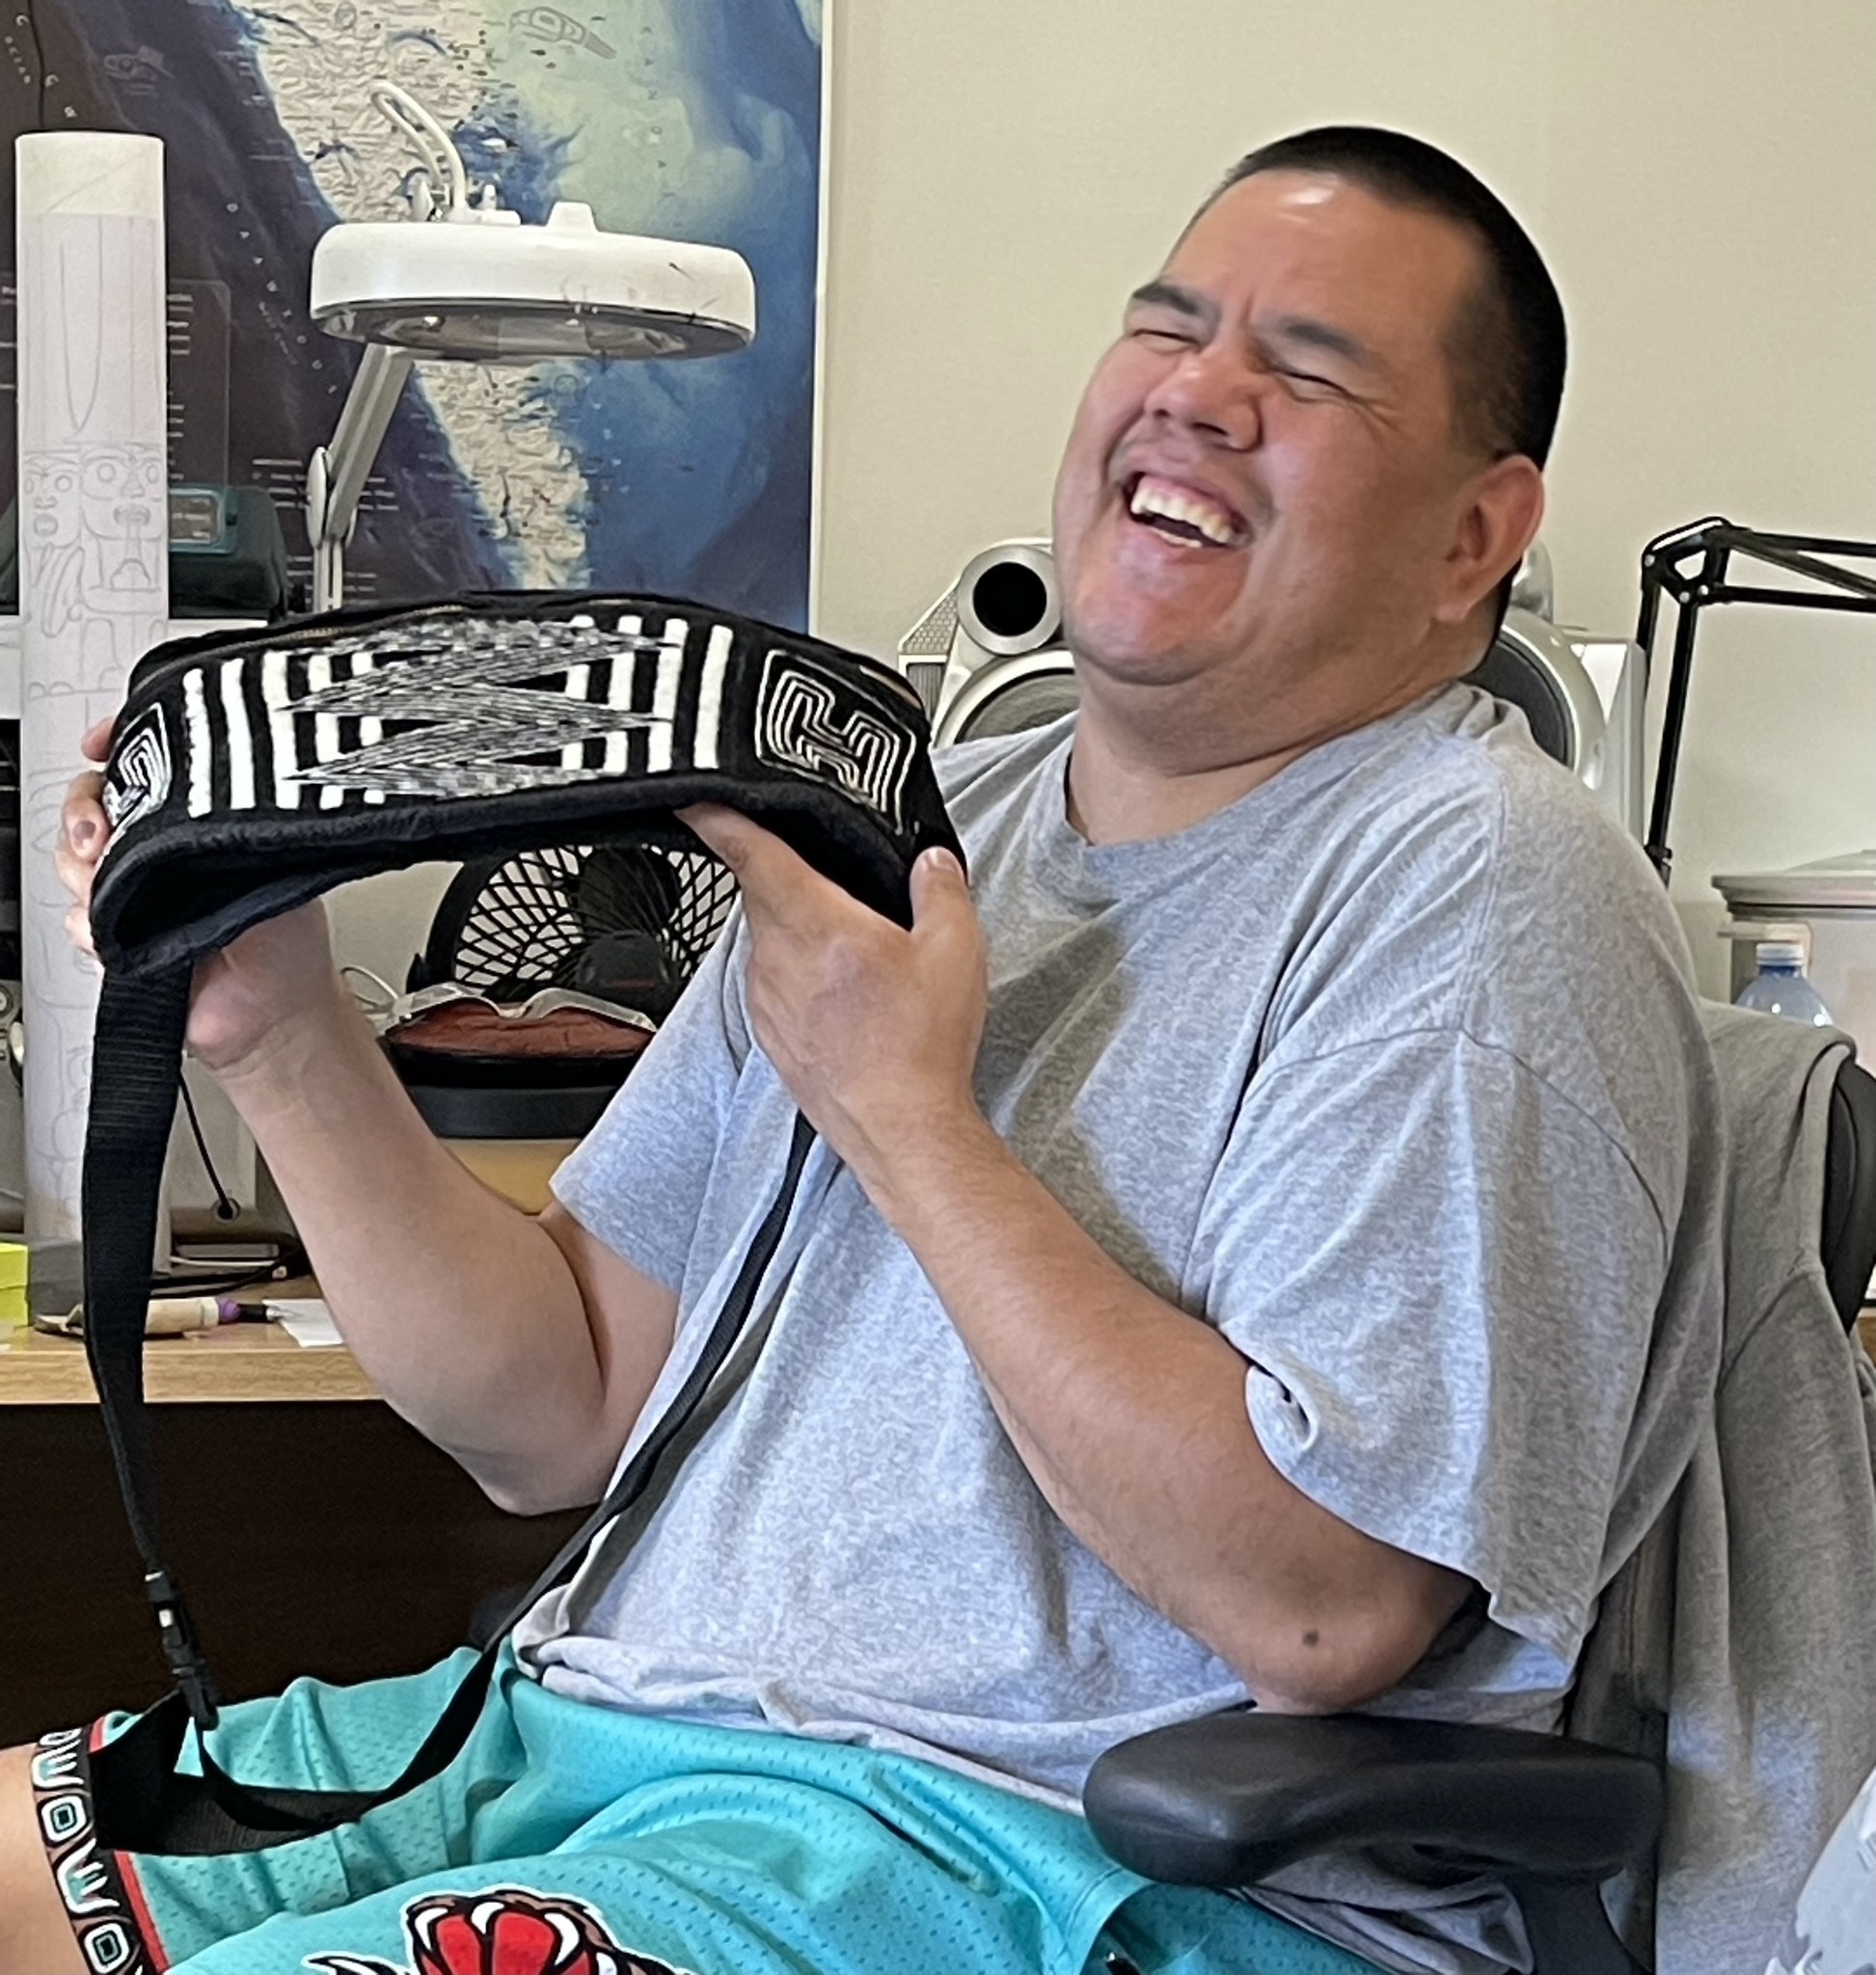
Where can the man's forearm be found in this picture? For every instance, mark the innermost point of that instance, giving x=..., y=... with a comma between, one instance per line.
x=1131, y=1415
x=462, y=1309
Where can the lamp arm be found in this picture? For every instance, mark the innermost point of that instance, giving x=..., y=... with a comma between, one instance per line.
x=336, y=472
x=1691, y=567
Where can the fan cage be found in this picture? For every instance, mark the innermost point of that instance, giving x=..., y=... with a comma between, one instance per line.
x=508, y=926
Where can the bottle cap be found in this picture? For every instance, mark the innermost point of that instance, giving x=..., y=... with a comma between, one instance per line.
x=1780, y=952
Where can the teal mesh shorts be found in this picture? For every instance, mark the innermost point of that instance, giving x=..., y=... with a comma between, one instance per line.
x=569, y=1839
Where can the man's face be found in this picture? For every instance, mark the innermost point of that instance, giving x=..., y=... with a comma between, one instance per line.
x=1262, y=485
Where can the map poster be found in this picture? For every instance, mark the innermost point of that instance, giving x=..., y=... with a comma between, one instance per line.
x=691, y=120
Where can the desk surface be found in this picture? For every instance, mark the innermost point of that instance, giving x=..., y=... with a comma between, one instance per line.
x=241, y=1362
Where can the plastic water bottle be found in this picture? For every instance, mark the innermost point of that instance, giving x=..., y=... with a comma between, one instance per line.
x=1779, y=987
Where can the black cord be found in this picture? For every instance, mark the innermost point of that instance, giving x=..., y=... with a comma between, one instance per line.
x=225, y=1208
x=30, y=19
x=210, y=1281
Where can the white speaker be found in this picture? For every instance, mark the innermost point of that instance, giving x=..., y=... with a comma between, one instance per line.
x=1583, y=698
x=988, y=658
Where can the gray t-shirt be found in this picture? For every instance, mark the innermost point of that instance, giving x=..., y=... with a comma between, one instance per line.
x=1392, y=1070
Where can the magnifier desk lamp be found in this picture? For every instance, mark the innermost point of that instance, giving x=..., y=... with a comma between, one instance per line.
x=465, y=279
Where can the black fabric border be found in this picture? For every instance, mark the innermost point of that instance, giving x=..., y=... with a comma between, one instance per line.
x=105, y=1920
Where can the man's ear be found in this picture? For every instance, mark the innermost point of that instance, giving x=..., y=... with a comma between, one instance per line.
x=1498, y=524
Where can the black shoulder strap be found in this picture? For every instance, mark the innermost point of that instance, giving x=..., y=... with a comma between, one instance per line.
x=136, y=1059
x=141, y=1804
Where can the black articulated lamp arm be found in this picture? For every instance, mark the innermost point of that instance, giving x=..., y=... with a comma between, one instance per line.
x=1693, y=566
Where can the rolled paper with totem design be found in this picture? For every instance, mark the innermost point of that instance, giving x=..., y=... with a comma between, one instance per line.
x=94, y=588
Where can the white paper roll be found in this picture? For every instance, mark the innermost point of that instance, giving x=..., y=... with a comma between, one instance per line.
x=94, y=561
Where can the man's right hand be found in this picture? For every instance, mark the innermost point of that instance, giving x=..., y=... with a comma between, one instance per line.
x=271, y=981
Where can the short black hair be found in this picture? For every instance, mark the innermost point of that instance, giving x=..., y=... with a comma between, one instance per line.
x=1507, y=345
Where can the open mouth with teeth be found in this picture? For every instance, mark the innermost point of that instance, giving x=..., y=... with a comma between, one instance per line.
x=1182, y=514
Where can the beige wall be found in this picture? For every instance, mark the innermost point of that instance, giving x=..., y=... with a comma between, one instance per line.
x=1702, y=175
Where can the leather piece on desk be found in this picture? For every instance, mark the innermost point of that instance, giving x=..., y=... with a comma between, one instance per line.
x=473, y=1028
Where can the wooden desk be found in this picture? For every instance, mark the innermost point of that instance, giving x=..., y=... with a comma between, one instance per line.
x=313, y=1530
x=239, y=1363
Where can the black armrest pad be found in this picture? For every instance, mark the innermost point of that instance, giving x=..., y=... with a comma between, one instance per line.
x=1229, y=1800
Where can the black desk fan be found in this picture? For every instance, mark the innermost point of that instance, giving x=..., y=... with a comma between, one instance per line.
x=629, y=921
x=549, y=941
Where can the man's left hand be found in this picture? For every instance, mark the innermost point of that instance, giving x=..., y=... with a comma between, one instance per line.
x=875, y=1029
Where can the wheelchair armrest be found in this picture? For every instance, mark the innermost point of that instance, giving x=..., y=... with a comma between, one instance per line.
x=1229, y=1800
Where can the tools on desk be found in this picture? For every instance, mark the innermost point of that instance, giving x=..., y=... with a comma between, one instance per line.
x=177, y=1315
x=169, y=1316
x=216, y=1275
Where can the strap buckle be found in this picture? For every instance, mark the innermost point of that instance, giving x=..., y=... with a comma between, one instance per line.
x=184, y=1657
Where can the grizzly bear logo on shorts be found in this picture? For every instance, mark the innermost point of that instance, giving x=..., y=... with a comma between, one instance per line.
x=504, y=1931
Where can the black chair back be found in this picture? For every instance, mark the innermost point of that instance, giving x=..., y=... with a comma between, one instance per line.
x=1848, y=1239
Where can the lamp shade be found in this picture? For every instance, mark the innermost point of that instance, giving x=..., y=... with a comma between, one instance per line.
x=483, y=286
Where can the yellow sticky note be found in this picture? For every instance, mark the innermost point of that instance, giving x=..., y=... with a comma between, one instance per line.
x=12, y=1283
